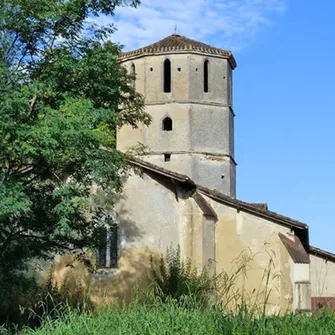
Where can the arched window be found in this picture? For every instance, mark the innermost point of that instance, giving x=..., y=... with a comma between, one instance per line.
x=133, y=74
x=108, y=237
x=167, y=76
x=206, y=70
x=167, y=124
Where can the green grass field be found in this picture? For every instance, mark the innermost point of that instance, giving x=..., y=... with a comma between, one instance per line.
x=171, y=319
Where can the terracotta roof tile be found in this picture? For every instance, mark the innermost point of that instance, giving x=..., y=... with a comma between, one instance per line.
x=155, y=168
x=322, y=253
x=260, y=205
x=295, y=249
x=251, y=208
x=175, y=43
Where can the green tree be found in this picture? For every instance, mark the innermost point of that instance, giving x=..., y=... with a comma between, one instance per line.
x=63, y=94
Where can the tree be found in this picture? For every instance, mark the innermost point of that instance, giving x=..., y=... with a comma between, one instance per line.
x=62, y=96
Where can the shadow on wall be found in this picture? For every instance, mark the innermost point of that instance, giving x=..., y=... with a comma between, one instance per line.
x=114, y=286
x=134, y=274
x=105, y=285
x=128, y=227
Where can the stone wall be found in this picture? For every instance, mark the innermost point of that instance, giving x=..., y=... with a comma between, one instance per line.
x=201, y=143
x=322, y=276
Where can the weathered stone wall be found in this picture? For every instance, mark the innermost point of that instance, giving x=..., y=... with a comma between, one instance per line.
x=249, y=248
x=187, y=70
x=201, y=143
x=322, y=277
x=154, y=214
x=164, y=215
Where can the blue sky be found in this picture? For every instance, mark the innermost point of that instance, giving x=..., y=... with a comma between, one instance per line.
x=283, y=94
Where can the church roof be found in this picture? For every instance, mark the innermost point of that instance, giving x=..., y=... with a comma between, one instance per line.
x=321, y=253
x=154, y=168
x=177, y=43
x=251, y=208
x=260, y=211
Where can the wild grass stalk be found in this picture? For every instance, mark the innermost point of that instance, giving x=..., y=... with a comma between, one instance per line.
x=171, y=317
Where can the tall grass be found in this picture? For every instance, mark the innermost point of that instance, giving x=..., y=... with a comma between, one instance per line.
x=180, y=301
x=172, y=317
x=231, y=286
x=179, y=280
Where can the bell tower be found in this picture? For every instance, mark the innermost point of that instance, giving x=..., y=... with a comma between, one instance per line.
x=187, y=87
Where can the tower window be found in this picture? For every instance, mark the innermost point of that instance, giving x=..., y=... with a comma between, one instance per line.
x=167, y=124
x=108, y=245
x=167, y=76
x=167, y=157
x=206, y=70
x=133, y=74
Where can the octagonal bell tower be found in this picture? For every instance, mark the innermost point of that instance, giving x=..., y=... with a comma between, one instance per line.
x=187, y=87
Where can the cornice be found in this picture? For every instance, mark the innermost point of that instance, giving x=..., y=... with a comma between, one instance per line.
x=145, y=52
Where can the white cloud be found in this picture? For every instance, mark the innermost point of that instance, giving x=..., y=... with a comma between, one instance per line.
x=229, y=24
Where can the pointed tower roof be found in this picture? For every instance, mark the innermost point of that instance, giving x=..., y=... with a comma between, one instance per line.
x=179, y=44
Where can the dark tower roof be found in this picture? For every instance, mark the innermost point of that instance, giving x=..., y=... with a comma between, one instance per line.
x=176, y=43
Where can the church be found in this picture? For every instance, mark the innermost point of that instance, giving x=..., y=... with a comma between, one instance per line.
x=183, y=189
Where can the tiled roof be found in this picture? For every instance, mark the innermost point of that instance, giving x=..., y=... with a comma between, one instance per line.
x=260, y=205
x=322, y=253
x=175, y=43
x=229, y=201
x=295, y=249
x=155, y=168
x=251, y=208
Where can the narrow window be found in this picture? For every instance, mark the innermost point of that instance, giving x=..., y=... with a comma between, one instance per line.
x=206, y=65
x=167, y=124
x=108, y=246
x=133, y=74
x=167, y=76
x=167, y=157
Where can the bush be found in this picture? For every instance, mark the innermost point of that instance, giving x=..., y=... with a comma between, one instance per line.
x=24, y=303
x=16, y=290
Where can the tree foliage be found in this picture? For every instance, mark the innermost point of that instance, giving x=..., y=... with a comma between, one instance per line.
x=63, y=94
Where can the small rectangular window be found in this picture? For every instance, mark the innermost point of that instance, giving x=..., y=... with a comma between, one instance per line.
x=206, y=70
x=167, y=157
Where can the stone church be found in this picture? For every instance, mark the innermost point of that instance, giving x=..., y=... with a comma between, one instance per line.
x=183, y=190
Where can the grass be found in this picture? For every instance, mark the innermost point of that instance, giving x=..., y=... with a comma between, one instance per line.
x=180, y=301
x=172, y=318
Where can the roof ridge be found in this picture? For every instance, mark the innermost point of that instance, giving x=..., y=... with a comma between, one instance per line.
x=322, y=253
x=178, y=176
x=251, y=207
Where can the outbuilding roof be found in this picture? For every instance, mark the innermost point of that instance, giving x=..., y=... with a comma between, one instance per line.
x=176, y=43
